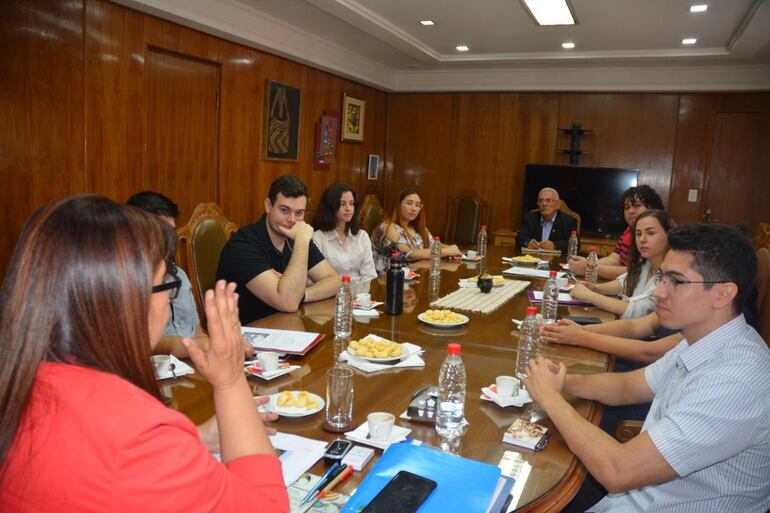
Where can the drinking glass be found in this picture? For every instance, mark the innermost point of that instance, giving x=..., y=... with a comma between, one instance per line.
x=339, y=396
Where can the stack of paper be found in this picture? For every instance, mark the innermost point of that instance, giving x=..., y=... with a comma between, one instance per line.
x=281, y=341
x=526, y=434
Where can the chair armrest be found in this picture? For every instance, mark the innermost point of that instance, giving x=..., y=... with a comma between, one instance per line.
x=627, y=429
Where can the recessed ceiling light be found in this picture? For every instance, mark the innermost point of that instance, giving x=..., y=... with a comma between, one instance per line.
x=689, y=41
x=699, y=8
x=462, y=48
x=550, y=12
x=426, y=23
x=568, y=45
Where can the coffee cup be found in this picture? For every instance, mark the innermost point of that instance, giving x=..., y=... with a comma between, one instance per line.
x=563, y=282
x=364, y=299
x=380, y=425
x=162, y=364
x=507, y=386
x=268, y=360
x=407, y=271
x=471, y=254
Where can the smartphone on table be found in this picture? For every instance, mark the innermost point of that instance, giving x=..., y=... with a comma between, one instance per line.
x=404, y=493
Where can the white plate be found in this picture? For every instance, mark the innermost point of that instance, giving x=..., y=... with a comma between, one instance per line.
x=567, y=287
x=269, y=374
x=444, y=325
x=407, y=351
x=291, y=411
x=474, y=259
x=372, y=305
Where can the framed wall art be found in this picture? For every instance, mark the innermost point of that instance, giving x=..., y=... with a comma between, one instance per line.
x=282, y=122
x=374, y=164
x=352, y=118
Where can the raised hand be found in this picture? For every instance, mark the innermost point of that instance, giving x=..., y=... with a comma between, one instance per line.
x=222, y=363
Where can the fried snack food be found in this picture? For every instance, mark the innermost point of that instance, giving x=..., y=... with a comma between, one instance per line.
x=526, y=259
x=442, y=317
x=369, y=347
x=287, y=399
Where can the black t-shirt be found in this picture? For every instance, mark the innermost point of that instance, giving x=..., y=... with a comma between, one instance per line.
x=249, y=253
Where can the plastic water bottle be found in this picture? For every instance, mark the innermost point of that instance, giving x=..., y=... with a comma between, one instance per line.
x=592, y=266
x=550, y=299
x=450, y=416
x=394, y=286
x=343, y=313
x=572, y=246
x=529, y=336
x=481, y=249
x=435, y=256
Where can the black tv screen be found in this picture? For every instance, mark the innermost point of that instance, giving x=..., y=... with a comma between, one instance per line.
x=592, y=192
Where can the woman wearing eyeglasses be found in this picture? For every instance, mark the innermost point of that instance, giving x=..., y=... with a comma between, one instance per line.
x=406, y=232
x=82, y=427
x=648, y=248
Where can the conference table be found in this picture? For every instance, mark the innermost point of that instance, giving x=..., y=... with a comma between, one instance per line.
x=489, y=348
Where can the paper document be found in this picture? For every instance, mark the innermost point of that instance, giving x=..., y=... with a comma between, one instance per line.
x=281, y=341
x=299, y=454
x=532, y=273
x=563, y=298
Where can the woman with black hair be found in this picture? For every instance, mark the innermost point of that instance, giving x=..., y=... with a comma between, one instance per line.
x=346, y=247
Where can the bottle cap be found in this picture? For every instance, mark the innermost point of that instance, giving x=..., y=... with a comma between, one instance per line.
x=593, y=249
x=453, y=348
x=436, y=238
x=394, y=254
x=574, y=232
x=552, y=274
x=483, y=227
x=345, y=278
x=531, y=310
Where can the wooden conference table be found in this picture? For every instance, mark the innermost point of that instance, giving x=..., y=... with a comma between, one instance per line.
x=488, y=350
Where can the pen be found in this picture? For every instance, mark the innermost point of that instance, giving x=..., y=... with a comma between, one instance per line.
x=341, y=477
x=322, y=482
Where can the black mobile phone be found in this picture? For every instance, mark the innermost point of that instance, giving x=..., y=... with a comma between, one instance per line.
x=337, y=450
x=583, y=320
x=404, y=493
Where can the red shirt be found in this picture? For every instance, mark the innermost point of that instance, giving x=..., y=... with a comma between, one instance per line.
x=93, y=442
x=624, y=243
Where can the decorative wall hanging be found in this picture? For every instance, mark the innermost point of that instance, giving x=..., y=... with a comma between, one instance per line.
x=352, y=118
x=326, y=133
x=374, y=165
x=282, y=121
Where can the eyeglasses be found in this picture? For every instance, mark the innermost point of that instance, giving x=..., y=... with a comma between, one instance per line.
x=670, y=283
x=170, y=283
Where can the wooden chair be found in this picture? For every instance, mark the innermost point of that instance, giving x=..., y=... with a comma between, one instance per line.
x=564, y=208
x=465, y=216
x=199, y=244
x=370, y=214
x=762, y=236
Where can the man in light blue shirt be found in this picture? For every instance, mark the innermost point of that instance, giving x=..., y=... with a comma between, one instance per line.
x=705, y=444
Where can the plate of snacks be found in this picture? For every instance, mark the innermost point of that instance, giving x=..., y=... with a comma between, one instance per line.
x=295, y=403
x=443, y=318
x=497, y=280
x=528, y=260
x=379, y=350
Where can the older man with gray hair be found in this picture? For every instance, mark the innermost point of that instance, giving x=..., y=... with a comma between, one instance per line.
x=547, y=227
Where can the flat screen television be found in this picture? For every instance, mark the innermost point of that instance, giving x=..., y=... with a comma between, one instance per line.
x=592, y=192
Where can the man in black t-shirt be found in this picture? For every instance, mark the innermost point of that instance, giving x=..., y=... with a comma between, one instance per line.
x=272, y=259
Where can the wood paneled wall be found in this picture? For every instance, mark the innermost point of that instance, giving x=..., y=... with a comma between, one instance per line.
x=452, y=143
x=75, y=104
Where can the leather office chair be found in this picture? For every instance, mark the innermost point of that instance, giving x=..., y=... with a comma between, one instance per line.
x=370, y=214
x=199, y=245
x=465, y=216
x=564, y=208
x=762, y=236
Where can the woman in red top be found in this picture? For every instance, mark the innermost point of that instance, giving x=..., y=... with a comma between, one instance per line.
x=81, y=425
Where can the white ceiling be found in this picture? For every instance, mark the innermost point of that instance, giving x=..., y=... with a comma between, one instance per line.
x=620, y=44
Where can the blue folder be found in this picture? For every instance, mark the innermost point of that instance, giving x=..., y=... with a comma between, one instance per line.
x=463, y=485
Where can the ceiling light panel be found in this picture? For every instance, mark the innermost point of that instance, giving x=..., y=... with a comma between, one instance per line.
x=427, y=23
x=550, y=12
x=699, y=8
x=568, y=45
x=462, y=48
x=689, y=41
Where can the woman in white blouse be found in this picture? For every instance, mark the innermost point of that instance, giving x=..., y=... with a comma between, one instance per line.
x=346, y=247
x=648, y=248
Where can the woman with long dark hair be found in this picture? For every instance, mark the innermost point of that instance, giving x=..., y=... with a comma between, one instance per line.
x=82, y=427
x=346, y=247
x=649, y=247
x=406, y=231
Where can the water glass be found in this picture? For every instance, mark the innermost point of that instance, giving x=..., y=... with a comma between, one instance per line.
x=339, y=396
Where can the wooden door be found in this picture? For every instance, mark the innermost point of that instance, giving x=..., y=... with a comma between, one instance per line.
x=738, y=169
x=182, y=129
